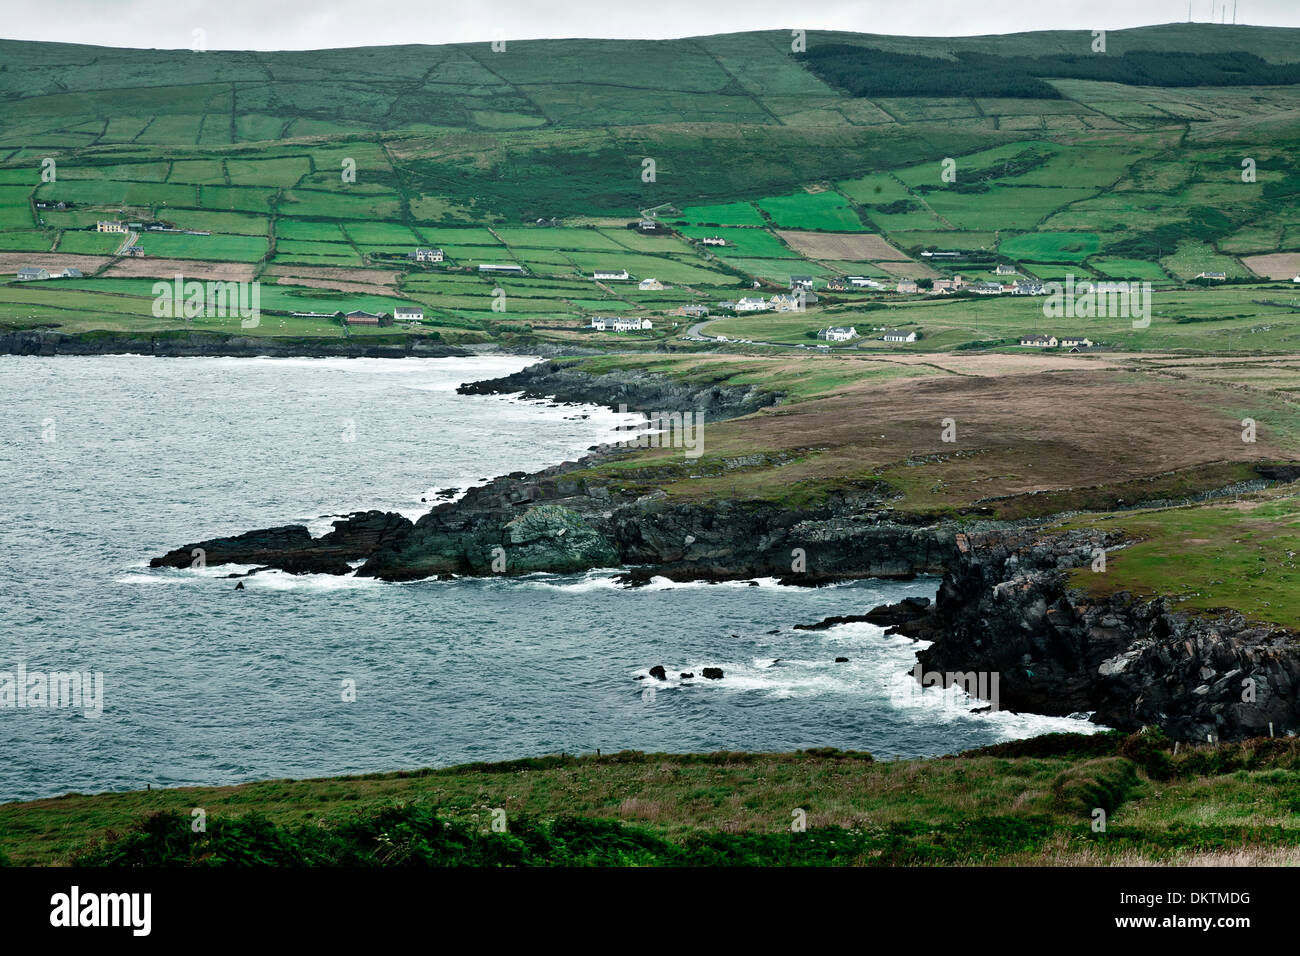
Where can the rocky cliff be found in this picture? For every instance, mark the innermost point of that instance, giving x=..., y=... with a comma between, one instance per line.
x=1009, y=605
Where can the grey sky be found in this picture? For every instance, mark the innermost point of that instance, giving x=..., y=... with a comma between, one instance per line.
x=317, y=24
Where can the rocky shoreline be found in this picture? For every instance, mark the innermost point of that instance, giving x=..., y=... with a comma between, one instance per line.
x=1006, y=605
x=186, y=344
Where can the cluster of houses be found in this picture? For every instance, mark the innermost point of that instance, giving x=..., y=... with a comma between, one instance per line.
x=32, y=273
x=1074, y=343
x=778, y=303
x=618, y=323
x=958, y=284
x=839, y=333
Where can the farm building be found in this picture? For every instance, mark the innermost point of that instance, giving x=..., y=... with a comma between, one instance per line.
x=71, y=273
x=907, y=286
x=752, y=305
x=838, y=333
x=509, y=269
x=862, y=282
x=1216, y=276
x=899, y=335
x=691, y=311
x=647, y=225
x=28, y=274
x=651, y=285
x=610, y=274
x=714, y=241
x=615, y=323
x=942, y=255
x=361, y=318
x=110, y=225
x=406, y=313
x=425, y=255
x=1039, y=341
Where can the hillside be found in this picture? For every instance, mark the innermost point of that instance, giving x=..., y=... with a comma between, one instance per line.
x=1023, y=803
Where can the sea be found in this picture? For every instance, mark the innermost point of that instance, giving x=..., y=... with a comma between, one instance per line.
x=108, y=461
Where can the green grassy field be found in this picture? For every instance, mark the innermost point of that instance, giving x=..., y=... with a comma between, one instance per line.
x=1026, y=803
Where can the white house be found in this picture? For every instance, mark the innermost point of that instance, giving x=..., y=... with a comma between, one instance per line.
x=752, y=305
x=647, y=225
x=71, y=273
x=110, y=225
x=28, y=274
x=719, y=241
x=898, y=335
x=616, y=323
x=1039, y=341
x=426, y=255
x=406, y=313
x=838, y=333
x=650, y=285
x=1296, y=279
x=608, y=274
x=801, y=282
x=1004, y=270
x=1074, y=341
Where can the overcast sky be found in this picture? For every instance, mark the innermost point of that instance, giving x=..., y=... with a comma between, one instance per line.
x=319, y=24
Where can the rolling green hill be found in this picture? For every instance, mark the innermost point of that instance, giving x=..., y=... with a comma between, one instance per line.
x=1085, y=171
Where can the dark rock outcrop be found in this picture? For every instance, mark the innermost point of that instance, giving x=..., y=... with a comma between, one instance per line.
x=886, y=615
x=292, y=548
x=639, y=391
x=1007, y=607
x=712, y=673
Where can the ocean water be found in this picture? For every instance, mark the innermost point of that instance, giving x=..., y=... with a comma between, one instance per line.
x=106, y=462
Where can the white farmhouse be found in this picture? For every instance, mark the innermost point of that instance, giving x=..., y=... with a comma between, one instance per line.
x=752, y=305
x=838, y=333
x=610, y=274
x=899, y=335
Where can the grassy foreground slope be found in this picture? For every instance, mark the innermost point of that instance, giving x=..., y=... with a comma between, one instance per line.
x=1029, y=803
